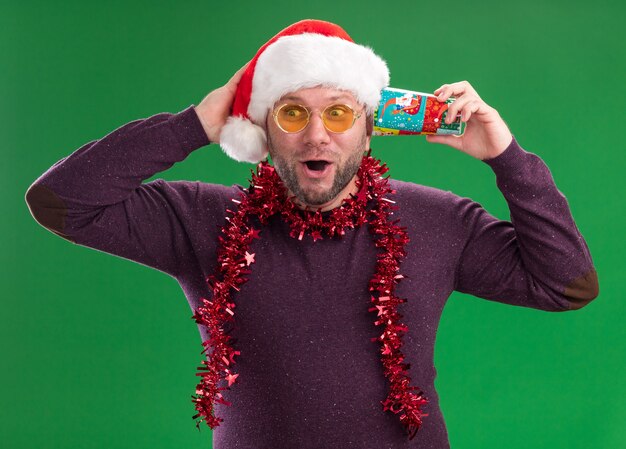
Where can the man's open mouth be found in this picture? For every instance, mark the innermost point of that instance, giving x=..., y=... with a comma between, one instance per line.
x=316, y=165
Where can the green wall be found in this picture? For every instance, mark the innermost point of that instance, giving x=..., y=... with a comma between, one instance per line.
x=100, y=352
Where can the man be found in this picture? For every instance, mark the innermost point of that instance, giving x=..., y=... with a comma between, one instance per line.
x=318, y=289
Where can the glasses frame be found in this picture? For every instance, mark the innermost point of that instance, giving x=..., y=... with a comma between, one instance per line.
x=355, y=117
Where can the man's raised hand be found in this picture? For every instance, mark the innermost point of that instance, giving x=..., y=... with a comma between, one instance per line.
x=486, y=135
x=216, y=107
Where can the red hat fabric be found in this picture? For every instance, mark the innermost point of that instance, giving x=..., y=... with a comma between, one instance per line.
x=306, y=54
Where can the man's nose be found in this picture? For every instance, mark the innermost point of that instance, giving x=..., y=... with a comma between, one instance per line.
x=316, y=133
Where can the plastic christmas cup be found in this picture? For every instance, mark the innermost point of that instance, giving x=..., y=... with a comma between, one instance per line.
x=406, y=112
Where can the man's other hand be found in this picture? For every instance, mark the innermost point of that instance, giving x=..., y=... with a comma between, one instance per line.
x=216, y=107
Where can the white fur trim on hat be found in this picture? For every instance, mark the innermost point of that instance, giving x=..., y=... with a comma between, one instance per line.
x=243, y=141
x=308, y=60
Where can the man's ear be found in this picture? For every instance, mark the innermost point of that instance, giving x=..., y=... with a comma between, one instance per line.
x=369, y=125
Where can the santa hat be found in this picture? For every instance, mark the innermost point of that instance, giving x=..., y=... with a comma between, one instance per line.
x=306, y=54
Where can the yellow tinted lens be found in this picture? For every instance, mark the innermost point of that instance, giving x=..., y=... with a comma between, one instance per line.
x=292, y=117
x=338, y=118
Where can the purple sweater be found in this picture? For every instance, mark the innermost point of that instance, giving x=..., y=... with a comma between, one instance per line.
x=309, y=375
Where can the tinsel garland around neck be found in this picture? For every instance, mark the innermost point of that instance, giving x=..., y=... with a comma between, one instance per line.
x=266, y=197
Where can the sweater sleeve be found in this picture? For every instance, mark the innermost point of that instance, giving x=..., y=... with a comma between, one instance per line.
x=538, y=259
x=95, y=197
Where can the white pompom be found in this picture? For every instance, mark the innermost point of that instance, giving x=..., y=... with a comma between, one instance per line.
x=243, y=141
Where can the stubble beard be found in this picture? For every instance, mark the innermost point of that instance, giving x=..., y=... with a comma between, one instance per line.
x=286, y=169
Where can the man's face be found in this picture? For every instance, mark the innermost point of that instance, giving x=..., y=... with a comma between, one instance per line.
x=292, y=153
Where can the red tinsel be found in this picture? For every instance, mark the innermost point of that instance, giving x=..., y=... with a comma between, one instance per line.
x=267, y=196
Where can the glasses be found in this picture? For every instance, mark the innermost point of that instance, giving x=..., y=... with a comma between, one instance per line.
x=293, y=118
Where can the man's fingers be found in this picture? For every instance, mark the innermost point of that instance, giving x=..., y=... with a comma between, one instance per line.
x=436, y=92
x=454, y=89
x=452, y=140
x=456, y=106
x=468, y=109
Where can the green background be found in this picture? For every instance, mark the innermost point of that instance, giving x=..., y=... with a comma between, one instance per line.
x=99, y=352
